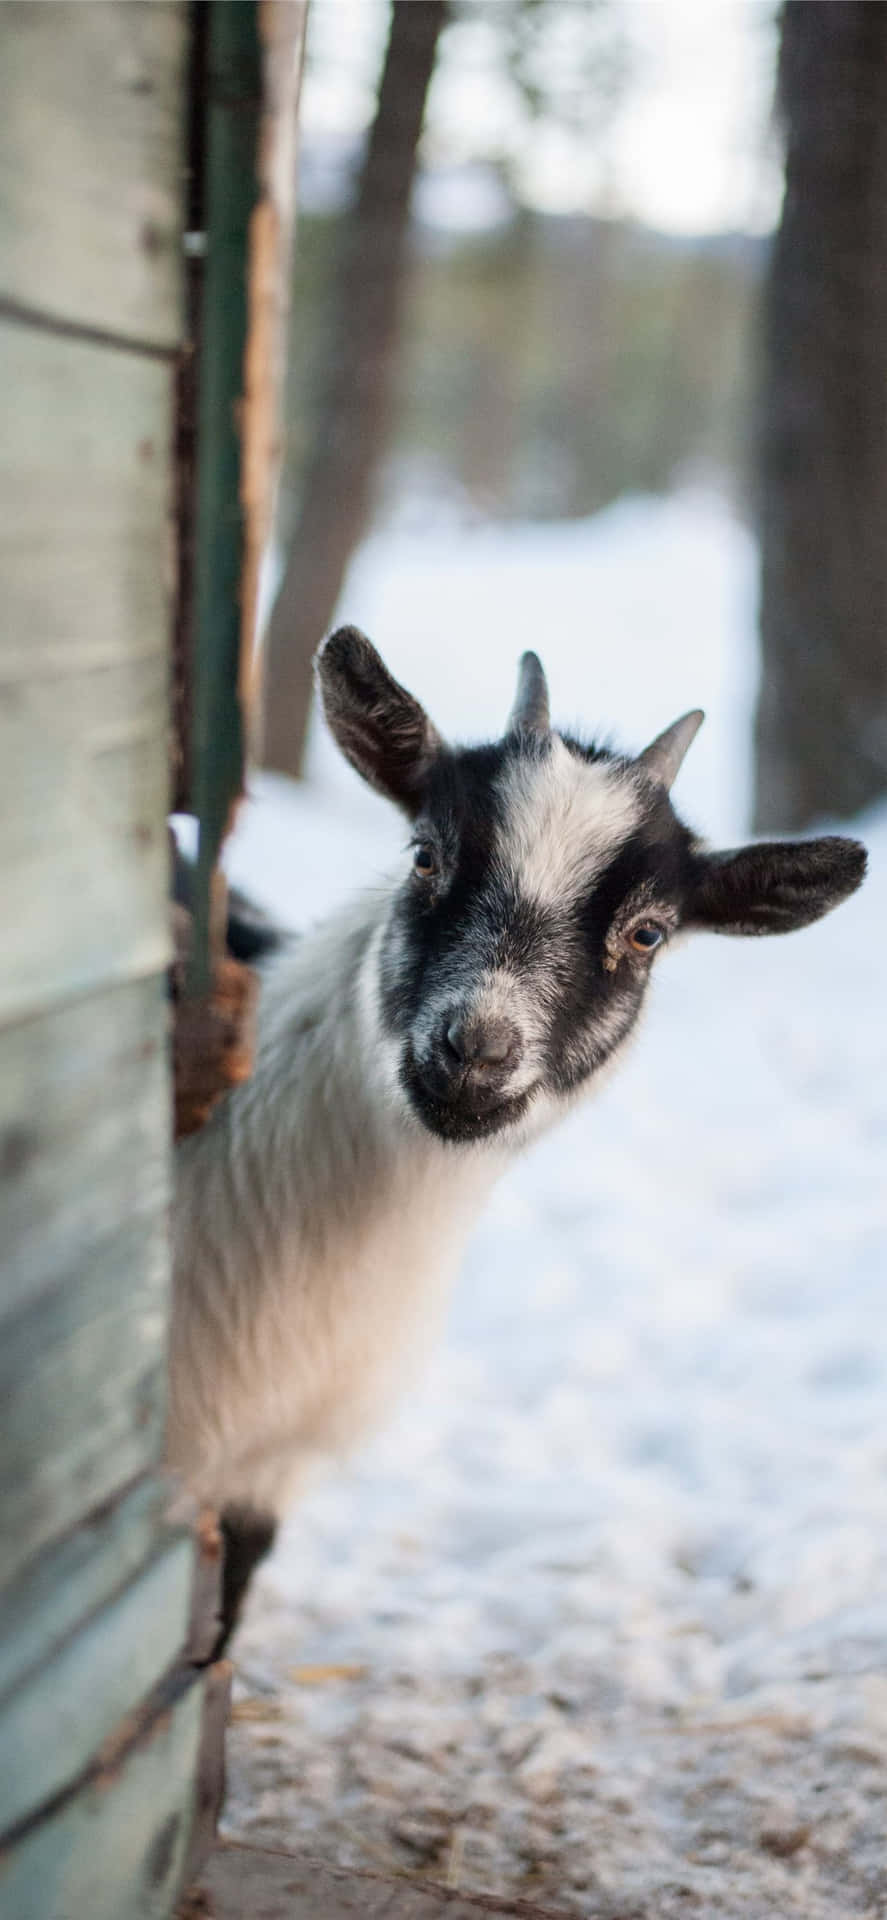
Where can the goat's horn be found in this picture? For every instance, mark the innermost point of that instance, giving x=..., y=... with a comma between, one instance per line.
x=530, y=712
x=662, y=758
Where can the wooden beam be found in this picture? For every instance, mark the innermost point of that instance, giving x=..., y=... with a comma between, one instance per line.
x=282, y=31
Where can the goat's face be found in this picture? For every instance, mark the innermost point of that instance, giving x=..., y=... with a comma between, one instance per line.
x=542, y=882
x=544, y=878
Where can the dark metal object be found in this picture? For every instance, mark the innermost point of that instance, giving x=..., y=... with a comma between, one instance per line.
x=233, y=102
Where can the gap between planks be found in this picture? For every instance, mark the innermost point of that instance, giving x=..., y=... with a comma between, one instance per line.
x=19, y=313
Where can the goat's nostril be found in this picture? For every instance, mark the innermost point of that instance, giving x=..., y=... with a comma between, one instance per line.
x=455, y=1041
x=489, y=1043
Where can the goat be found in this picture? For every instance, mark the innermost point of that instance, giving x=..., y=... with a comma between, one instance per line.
x=409, y=1048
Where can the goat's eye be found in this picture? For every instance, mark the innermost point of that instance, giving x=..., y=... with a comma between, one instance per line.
x=646, y=937
x=425, y=862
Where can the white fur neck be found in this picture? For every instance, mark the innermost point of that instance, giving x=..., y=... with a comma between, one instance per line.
x=317, y=1223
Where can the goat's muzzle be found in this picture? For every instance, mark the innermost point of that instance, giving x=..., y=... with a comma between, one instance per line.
x=460, y=1085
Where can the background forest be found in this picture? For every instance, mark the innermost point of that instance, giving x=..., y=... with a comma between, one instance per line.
x=490, y=323
x=549, y=363
x=566, y=290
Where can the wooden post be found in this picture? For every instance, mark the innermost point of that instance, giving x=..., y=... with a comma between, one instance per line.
x=246, y=73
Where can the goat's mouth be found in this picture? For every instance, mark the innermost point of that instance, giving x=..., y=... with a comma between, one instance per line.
x=459, y=1112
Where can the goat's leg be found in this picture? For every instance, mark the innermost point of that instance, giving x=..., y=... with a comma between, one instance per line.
x=248, y=1535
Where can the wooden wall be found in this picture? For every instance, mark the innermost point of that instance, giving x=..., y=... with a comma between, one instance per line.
x=99, y=1721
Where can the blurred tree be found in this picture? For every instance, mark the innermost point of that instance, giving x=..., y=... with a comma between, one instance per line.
x=354, y=412
x=822, y=717
x=564, y=64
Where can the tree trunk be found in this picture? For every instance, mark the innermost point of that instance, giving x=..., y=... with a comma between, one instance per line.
x=355, y=412
x=822, y=718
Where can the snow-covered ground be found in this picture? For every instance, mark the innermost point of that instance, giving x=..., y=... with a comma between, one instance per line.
x=601, y=1619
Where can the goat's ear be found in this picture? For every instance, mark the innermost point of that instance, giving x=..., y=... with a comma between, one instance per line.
x=774, y=887
x=380, y=728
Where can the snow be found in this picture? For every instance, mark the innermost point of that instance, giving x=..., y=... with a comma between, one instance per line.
x=600, y=1619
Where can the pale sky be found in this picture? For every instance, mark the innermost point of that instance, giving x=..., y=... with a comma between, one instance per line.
x=689, y=150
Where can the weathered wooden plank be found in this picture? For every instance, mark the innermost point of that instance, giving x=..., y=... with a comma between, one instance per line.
x=82, y=756
x=242, y=1880
x=84, y=1186
x=91, y=157
x=84, y=485
x=84, y=1106
x=83, y=709
x=82, y=1385
x=85, y=498
x=116, y=1849
x=56, y=1722
x=76, y=1576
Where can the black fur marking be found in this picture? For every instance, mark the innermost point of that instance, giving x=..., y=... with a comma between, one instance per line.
x=381, y=729
x=250, y=934
x=591, y=751
x=774, y=887
x=461, y=810
x=596, y=1006
x=248, y=1537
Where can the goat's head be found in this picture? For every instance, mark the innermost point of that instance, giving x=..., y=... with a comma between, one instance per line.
x=544, y=877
